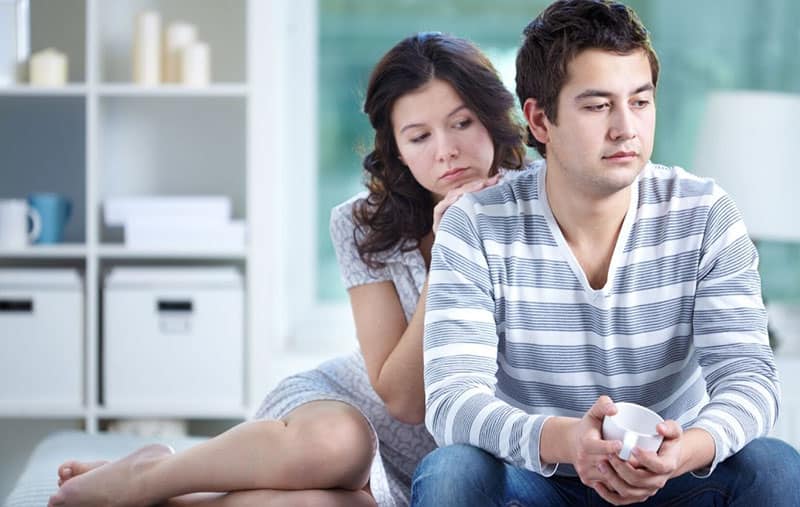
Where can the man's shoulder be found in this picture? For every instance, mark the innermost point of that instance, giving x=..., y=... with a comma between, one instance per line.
x=514, y=188
x=662, y=183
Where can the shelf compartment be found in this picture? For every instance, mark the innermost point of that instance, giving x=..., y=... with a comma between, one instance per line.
x=61, y=25
x=220, y=24
x=43, y=141
x=172, y=146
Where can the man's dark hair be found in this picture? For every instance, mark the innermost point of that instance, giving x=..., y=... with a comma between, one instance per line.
x=563, y=30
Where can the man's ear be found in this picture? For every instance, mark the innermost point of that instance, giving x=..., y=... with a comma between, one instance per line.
x=537, y=120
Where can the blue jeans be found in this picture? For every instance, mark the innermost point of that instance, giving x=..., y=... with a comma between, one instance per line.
x=766, y=472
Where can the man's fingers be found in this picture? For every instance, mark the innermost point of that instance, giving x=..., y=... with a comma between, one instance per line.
x=601, y=447
x=669, y=429
x=606, y=494
x=602, y=407
x=651, y=461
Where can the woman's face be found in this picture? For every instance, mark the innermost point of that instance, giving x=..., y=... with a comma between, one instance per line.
x=440, y=139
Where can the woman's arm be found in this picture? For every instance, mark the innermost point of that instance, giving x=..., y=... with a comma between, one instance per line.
x=391, y=347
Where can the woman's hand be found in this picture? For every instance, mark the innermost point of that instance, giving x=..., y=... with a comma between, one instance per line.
x=453, y=195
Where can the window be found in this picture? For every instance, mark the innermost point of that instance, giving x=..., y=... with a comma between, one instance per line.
x=702, y=46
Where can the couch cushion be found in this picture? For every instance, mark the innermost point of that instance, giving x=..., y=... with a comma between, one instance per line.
x=39, y=479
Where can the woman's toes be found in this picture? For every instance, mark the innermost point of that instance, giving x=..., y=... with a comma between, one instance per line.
x=72, y=469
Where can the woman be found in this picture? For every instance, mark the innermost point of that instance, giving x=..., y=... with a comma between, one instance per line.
x=349, y=432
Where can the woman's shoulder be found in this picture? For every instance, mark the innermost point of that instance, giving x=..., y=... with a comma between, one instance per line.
x=342, y=213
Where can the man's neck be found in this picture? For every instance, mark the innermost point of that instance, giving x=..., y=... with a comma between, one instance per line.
x=585, y=218
x=590, y=224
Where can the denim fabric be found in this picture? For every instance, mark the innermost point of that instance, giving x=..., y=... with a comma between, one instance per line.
x=765, y=472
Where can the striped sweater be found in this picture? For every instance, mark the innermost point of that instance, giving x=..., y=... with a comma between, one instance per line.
x=514, y=333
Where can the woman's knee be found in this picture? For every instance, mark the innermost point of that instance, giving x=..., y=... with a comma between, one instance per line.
x=342, y=437
x=457, y=475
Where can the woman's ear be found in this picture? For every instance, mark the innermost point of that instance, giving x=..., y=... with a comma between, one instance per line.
x=537, y=120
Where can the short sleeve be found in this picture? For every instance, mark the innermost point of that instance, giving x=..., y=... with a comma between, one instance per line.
x=343, y=235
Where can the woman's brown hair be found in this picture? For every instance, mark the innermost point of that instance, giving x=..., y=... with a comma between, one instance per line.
x=398, y=211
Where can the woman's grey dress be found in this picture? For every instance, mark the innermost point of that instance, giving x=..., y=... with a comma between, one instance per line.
x=400, y=446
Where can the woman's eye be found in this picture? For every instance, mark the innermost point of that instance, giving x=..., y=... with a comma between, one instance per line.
x=462, y=124
x=419, y=138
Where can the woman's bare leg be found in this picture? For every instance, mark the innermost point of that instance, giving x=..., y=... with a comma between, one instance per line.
x=269, y=498
x=320, y=445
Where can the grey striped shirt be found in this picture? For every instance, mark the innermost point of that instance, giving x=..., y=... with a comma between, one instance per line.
x=514, y=333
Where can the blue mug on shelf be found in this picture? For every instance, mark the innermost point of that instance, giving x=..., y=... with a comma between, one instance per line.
x=55, y=211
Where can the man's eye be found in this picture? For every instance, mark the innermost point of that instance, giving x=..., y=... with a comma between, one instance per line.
x=641, y=103
x=597, y=107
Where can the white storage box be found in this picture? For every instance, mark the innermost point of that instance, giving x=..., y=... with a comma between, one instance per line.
x=41, y=331
x=173, y=340
x=204, y=209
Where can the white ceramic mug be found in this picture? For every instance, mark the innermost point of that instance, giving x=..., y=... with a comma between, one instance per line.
x=20, y=224
x=635, y=426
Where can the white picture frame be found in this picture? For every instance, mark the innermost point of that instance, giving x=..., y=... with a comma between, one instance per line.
x=14, y=41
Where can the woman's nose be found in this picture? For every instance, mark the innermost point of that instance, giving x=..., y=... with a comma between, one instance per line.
x=447, y=149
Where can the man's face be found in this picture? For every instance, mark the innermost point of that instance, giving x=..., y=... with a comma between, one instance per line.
x=606, y=122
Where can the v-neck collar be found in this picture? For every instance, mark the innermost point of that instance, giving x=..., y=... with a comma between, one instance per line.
x=566, y=251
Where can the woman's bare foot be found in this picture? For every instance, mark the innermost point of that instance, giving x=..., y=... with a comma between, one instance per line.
x=70, y=469
x=111, y=484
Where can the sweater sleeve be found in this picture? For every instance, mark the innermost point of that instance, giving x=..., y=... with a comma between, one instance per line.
x=730, y=335
x=460, y=351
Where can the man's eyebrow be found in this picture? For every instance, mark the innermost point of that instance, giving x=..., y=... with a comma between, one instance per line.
x=451, y=113
x=606, y=94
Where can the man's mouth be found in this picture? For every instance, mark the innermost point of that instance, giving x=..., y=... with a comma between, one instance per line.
x=621, y=155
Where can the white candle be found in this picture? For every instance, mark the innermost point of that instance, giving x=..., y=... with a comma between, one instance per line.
x=178, y=35
x=48, y=68
x=147, y=49
x=196, y=64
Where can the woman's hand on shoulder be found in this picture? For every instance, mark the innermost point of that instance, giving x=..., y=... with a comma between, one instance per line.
x=453, y=195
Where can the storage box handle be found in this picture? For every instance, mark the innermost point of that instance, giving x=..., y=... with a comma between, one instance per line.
x=16, y=306
x=174, y=305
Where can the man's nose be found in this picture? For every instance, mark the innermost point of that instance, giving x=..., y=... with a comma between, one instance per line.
x=622, y=125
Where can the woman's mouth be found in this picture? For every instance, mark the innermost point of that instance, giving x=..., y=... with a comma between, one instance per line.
x=453, y=174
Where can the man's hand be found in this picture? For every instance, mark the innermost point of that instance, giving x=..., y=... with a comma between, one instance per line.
x=591, y=451
x=645, y=473
x=453, y=195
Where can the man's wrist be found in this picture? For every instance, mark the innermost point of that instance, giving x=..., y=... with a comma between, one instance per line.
x=555, y=444
x=697, y=451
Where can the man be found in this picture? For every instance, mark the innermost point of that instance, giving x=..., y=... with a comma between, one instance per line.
x=596, y=278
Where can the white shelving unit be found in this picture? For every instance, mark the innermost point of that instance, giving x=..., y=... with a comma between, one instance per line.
x=101, y=136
